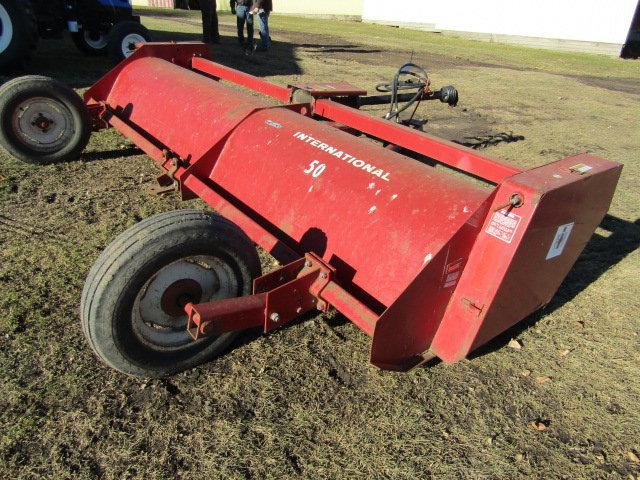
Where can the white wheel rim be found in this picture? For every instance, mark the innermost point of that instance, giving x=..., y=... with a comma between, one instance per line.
x=167, y=331
x=43, y=124
x=6, y=29
x=96, y=43
x=129, y=43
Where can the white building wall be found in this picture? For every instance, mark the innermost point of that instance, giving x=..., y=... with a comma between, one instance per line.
x=581, y=20
x=346, y=8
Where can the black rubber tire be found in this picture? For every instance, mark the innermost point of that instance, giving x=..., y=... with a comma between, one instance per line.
x=131, y=260
x=25, y=31
x=21, y=89
x=81, y=42
x=118, y=34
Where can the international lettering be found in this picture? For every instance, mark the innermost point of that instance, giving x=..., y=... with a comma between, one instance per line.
x=350, y=159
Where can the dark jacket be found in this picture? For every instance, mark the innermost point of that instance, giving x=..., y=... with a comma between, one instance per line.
x=267, y=5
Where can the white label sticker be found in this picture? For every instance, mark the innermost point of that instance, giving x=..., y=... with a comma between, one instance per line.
x=560, y=240
x=581, y=168
x=504, y=225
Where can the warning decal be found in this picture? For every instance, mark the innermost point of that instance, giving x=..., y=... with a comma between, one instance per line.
x=560, y=240
x=452, y=273
x=504, y=225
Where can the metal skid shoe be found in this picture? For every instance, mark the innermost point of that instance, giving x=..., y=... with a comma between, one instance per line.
x=278, y=298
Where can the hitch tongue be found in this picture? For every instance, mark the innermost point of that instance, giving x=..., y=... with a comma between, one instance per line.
x=222, y=316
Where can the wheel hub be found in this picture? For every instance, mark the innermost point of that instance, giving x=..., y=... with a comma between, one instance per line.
x=158, y=312
x=129, y=43
x=96, y=40
x=178, y=295
x=43, y=124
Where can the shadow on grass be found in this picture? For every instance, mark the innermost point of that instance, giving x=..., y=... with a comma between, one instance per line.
x=170, y=14
x=280, y=59
x=245, y=337
x=94, y=156
x=317, y=48
x=59, y=59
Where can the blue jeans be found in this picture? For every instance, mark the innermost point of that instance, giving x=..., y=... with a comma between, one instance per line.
x=242, y=12
x=264, y=29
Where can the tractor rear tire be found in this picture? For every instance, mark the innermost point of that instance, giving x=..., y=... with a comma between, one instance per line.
x=91, y=44
x=42, y=120
x=124, y=36
x=132, y=302
x=18, y=31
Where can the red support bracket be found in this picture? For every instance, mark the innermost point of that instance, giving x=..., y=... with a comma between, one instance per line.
x=279, y=297
x=240, y=78
x=97, y=112
x=293, y=290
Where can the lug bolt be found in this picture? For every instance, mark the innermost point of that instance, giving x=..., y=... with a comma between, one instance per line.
x=324, y=275
x=308, y=264
x=275, y=317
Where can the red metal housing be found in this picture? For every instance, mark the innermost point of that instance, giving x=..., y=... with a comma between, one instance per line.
x=427, y=261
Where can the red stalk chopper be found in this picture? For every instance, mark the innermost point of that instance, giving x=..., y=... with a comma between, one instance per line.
x=427, y=246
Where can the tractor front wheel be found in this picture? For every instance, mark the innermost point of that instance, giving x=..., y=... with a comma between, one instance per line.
x=124, y=37
x=132, y=307
x=42, y=120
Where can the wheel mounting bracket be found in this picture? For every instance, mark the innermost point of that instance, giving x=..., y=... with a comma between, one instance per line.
x=279, y=298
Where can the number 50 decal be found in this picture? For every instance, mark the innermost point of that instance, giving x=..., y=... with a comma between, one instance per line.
x=315, y=169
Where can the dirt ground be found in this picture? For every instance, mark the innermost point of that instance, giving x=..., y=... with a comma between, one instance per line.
x=303, y=402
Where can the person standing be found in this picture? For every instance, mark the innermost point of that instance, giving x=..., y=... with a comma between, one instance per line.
x=210, y=29
x=262, y=8
x=243, y=9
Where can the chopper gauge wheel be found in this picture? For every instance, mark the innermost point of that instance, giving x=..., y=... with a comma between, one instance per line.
x=42, y=120
x=132, y=307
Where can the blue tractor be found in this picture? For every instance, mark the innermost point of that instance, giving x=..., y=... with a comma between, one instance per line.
x=98, y=27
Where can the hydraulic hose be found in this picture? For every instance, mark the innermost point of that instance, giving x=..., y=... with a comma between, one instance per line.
x=418, y=80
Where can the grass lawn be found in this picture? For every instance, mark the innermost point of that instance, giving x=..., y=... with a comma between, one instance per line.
x=303, y=402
